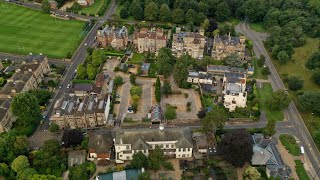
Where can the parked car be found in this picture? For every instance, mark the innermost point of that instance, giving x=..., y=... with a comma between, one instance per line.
x=68, y=86
x=117, y=95
x=117, y=102
x=130, y=110
x=60, y=86
x=131, y=66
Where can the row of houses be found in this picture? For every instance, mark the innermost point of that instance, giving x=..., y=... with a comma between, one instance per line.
x=232, y=83
x=28, y=76
x=192, y=43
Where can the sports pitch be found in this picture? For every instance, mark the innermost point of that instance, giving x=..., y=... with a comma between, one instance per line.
x=24, y=30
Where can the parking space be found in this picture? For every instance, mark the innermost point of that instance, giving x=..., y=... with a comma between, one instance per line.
x=121, y=109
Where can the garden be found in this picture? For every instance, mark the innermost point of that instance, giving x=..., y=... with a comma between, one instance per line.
x=301, y=171
x=99, y=7
x=24, y=30
x=290, y=144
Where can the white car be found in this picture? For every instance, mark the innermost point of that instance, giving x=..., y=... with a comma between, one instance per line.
x=85, y=44
x=68, y=86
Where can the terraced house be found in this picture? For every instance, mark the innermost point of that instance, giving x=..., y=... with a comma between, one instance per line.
x=111, y=36
x=175, y=142
x=149, y=40
x=6, y=117
x=226, y=45
x=86, y=111
x=188, y=43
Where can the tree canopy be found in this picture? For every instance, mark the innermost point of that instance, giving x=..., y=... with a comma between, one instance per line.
x=20, y=163
x=310, y=101
x=165, y=62
x=214, y=119
x=233, y=60
x=139, y=160
x=170, y=112
x=72, y=138
x=251, y=173
x=156, y=158
x=279, y=100
x=313, y=61
x=295, y=83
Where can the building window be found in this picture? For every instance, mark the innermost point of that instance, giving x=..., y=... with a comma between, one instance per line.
x=172, y=146
x=183, y=155
x=120, y=156
x=167, y=146
x=128, y=157
x=127, y=147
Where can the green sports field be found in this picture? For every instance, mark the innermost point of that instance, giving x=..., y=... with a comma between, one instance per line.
x=23, y=30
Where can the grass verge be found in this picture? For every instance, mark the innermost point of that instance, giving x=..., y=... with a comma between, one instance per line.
x=136, y=58
x=258, y=70
x=24, y=30
x=259, y=27
x=264, y=94
x=290, y=144
x=301, y=171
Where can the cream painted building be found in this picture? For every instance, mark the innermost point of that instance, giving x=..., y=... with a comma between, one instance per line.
x=227, y=45
x=175, y=142
x=111, y=36
x=188, y=43
x=149, y=40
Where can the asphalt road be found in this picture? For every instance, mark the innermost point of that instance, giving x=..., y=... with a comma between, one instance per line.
x=292, y=114
x=77, y=58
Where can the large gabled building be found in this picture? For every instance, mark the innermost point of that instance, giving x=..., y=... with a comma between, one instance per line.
x=111, y=36
x=224, y=46
x=149, y=40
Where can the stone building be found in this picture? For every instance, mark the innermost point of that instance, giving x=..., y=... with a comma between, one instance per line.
x=188, y=43
x=149, y=40
x=6, y=117
x=227, y=45
x=111, y=36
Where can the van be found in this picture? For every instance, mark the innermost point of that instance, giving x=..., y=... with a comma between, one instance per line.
x=301, y=150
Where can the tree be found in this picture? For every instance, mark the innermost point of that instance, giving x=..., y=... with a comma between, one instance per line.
x=214, y=119
x=255, y=10
x=45, y=177
x=310, y=101
x=51, y=83
x=233, y=60
x=124, y=14
x=69, y=55
x=205, y=24
x=4, y=169
x=2, y=81
x=151, y=12
x=316, y=77
x=54, y=127
x=136, y=10
x=269, y=130
x=265, y=71
x=81, y=71
x=164, y=13
x=180, y=73
x=165, y=62
x=251, y=173
x=158, y=90
x=133, y=79
x=118, y=81
x=20, y=163
x=96, y=58
x=177, y=16
x=45, y=6
x=295, y=83
x=279, y=100
x=261, y=61
x=136, y=90
x=313, y=61
x=170, y=113
x=144, y=176
x=283, y=57
x=72, y=138
x=236, y=147
x=223, y=12
x=191, y=16
x=139, y=160
x=166, y=89
x=83, y=171
x=200, y=17
x=316, y=137
x=26, y=108
x=156, y=158
x=91, y=71
x=26, y=173
x=202, y=113
x=21, y=145
x=43, y=96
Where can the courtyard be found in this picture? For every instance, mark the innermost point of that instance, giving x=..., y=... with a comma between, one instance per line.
x=25, y=31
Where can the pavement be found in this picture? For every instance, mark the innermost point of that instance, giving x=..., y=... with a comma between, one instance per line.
x=292, y=113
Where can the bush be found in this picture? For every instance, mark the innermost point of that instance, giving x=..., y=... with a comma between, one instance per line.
x=316, y=77
x=265, y=71
x=186, y=95
x=168, y=166
x=295, y=83
x=54, y=127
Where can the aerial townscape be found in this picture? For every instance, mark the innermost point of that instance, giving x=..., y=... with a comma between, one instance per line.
x=159, y=89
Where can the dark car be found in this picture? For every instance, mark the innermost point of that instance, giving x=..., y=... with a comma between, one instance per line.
x=117, y=102
x=131, y=66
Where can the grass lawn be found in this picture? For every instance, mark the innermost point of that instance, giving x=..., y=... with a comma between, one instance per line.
x=207, y=101
x=258, y=70
x=290, y=144
x=24, y=30
x=301, y=171
x=94, y=8
x=136, y=58
x=264, y=94
x=259, y=27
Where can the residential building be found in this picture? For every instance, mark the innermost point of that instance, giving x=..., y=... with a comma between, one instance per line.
x=188, y=43
x=28, y=76
x=226, y=45
x=265, y=153
x=201, y=143
x=100, y=145
x=111, y=36
x=149, y=40
x=145, y=67
x=85, y=2
x=98, y=84
x=86, y=111
x=76, y=157
x=175, y=142
x=234, y=91
x=6, y=117
x=156, y=114
x=218, y=70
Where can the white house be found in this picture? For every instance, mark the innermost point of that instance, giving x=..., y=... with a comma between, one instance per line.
x=175, y=142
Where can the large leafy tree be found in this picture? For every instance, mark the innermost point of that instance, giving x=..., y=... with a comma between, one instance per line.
x=26, y=108
x=26, y=174
x=136, y=10
x=214, y=119
x=310, y=101
x=255, y=10
x=177, y=16
x=156, y=158
x=151, y=12
x=279, y=100
x=170, y=113
x=165, y=62
x=91, y=71
x=139, y=160
x=83, y=171
x=251, y=173
x=191, y=16
x=124, y=13
x=180, y=73
x=72, y=137
x=158, y=90
x=45, y=6
x=164, y=13
x=97, y=58
x=223, y=12
x=166, y=89
x=20, y=163
x=233, y=60
x=313, y=61
x=236, y=147
x=81, y=71
x=316, y=77
x=42, y=96
x=295, y=83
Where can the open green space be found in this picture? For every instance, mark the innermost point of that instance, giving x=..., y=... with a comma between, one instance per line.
x=289, y=142
x=301, y=171
x=258, y=70
x=296, y=66
x=259, y=27
x=264, y=94
x=94, y=8
x=136, y=58
x=25, y=30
